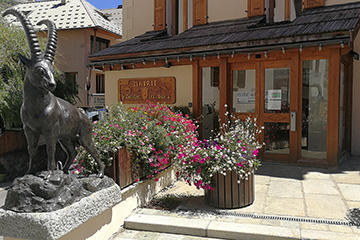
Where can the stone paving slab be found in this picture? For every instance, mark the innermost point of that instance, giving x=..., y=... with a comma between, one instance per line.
x=351, y=192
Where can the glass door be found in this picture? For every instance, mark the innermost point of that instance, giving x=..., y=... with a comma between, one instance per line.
x=275, y=113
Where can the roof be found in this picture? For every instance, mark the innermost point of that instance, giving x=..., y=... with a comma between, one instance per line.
x=114, y=15
x=325, y=24
x=74, y=14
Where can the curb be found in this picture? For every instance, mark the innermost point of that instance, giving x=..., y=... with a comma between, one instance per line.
x=208, y=228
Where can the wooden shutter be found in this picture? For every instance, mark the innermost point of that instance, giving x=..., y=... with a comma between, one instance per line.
x=256, y=8
x=313, y=3
x=199, y=12
x=160, y=15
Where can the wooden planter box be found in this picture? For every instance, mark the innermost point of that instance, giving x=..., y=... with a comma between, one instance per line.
x=121, y=170
x=229, y=193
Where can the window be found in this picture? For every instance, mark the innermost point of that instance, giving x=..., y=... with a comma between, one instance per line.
x=100, y=83
x=314, y=108
x=100, y=44
x=244, y=90
x=176, y=16
x=72, y=81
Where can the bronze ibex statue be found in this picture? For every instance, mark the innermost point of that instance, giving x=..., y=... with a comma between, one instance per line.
x=44, y=114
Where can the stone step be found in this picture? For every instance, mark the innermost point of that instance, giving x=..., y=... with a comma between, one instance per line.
x=207, y=227
x=126, y=234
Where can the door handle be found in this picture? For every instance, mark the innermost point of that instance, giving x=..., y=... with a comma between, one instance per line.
x=293, y=121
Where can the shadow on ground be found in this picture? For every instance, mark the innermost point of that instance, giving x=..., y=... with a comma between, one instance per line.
x=297, y=172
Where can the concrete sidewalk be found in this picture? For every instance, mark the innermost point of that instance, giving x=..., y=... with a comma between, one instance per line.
x=291, y=202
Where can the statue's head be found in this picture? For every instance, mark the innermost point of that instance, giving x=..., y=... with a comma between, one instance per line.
x=40, y=67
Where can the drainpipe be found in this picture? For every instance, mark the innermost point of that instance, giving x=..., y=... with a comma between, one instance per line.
x=88, y=82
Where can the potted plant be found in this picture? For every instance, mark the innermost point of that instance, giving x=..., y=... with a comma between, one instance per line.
x=2, y=173
x=224, y=165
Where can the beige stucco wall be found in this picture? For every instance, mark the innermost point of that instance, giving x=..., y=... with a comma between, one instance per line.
x=138, y=17
x=231, y=9
x=72, y=56
x=182, y=74
x=355, y=133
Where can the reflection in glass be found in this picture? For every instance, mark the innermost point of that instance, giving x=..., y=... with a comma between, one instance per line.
x=244, y=91
x=277, y=93
x=314, y=108
x=210, y=101
x=277, y=137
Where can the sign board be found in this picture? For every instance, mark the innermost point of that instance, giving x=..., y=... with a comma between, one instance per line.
x=99, y=100
x=274, y=99
x=245, y=97
x=139, y=90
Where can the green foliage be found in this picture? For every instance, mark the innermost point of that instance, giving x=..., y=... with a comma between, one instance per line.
x=12, y=42
x=4, y=4
x=2, y=168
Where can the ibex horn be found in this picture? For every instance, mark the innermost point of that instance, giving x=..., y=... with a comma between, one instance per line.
x=36, y=54
x=52, y=39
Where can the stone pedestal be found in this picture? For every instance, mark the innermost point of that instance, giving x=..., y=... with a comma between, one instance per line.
x=58, y=223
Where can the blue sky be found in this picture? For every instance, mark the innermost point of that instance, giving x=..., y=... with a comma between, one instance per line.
x=104, y=4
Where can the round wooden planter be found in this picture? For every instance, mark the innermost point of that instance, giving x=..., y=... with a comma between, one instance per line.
x=228, y=193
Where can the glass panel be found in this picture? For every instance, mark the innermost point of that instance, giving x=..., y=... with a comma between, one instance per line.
x=210, y=101
x=244, y=91
x=277, y=94
x=277, y=137
x=314, y=108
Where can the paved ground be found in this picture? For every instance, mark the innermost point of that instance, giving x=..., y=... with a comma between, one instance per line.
x=283, y=193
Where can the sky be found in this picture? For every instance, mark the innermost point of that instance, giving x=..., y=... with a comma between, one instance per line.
x=104, y=4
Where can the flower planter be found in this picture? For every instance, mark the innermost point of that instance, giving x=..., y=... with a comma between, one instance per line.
x=121, y=170
x=228, y=193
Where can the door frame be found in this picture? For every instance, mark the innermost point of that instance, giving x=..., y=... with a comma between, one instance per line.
x=260, y=66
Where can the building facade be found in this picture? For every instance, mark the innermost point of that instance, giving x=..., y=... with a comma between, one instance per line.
x=291, y=64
